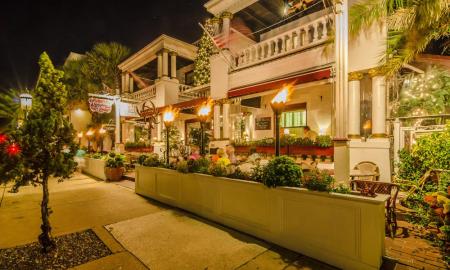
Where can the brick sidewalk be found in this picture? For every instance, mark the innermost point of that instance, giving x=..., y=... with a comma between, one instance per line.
x=413, y=252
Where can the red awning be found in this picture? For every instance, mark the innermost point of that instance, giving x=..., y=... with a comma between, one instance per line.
x=185, y=104
x=267, y=86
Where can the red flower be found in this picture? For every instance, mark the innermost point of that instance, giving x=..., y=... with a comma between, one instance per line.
x=13, y=149
x=3, y=138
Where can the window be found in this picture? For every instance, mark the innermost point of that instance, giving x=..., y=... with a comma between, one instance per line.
x=293, y=119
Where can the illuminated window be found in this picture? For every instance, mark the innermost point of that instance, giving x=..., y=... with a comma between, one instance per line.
x=293, y=119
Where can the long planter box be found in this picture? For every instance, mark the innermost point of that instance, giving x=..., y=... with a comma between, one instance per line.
x=346, y=231
x=292, y=149
x=95, y=167
x=140, y=149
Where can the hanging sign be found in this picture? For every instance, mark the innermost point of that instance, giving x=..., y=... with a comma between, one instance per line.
x=100, y=105
x=128, y=109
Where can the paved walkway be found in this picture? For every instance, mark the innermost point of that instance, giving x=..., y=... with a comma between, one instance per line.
x=151, y=235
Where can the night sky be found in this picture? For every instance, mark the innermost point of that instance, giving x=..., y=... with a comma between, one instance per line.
x=29, y=27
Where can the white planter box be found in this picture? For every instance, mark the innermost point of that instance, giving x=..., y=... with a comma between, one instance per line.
x=346, y=231
x=95, y=167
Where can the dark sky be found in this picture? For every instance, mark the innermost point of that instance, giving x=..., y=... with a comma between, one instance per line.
x=28, y=27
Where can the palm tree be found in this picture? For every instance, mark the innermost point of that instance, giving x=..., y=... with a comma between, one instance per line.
x=9, y=108
x=100, y=65
x=412, y=25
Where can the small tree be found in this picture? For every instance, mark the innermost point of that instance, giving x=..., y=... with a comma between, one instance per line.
x=47, y=140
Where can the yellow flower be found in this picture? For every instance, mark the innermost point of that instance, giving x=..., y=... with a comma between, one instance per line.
x=223, y=161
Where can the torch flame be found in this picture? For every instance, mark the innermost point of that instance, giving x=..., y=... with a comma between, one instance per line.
x=205, y=108
x=169, y=114
x=281, y=96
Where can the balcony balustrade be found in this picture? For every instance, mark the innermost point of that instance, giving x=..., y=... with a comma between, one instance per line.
x=189, y=92
x=146, y=93
x=305, y=36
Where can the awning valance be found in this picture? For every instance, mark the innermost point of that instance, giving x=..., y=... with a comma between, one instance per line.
x=279, y=83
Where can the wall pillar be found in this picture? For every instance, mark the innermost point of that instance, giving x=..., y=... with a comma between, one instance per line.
x=160, y=64
x=340, y=129
x=131, y=85
x=378, y=103
x=173, y=65
x=123, y=84
x=216, y=118
x=354, y=108
x=165, y=60
x=226, y=120
x=127, y=83
x=226, y=19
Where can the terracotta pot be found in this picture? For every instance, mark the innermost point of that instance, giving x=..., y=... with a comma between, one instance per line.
x=448, y=190
x=113, y=174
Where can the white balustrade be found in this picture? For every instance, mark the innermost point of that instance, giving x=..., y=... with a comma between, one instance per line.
x=146, y=93
x=299, y=38
x=189, y=92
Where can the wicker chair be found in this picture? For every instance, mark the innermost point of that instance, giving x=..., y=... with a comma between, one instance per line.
x=368, y=166
x=372, y=187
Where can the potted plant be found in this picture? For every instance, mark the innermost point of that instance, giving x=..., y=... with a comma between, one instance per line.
x=114, y=167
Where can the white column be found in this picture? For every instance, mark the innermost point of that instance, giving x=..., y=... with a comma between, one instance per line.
x=341, y=77
x=354, y=111
x=173, y=65
x=226, y=120
x=127, y=83
x=341, y=151
x=397, y=147
x=226, y=18
x=123, y=84
x=117, y=120
x=216, y=118
x=215, y=21
x=165, y=59
x=160, y=61
x=159, y=128
x=378, y=104
x=131, y=85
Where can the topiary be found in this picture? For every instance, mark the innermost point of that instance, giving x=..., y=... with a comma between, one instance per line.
x=282, y=171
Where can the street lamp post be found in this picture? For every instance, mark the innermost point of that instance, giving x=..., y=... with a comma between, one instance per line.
x=102, y=132
x=80, y=136
x=277, y=104
x=26, y=100
x=203, y=114
x=88, y=135
x=168, y=118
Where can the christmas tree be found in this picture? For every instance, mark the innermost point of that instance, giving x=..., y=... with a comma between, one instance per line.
x=202, y=71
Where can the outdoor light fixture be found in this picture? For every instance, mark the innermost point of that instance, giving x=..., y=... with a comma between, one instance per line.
x=3, y=138
x=203, y=114
x=102, y=132
x=168, y=117
x=26, y=100
x=88, y=135
x=13, y=149
x=79, y=135
x=278, y=103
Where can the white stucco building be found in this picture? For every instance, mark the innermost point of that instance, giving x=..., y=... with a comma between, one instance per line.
x=336, y=87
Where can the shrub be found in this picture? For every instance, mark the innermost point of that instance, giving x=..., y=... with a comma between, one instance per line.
x=238, y=174
x=318, y=180
x=303, y=142
x=282, y=171
x=257, y=172
x=141, y=159
x=152, y=161
x=200, y=165
x=97, y=156
x=182, y=167
x=324, y=141
x=217, y=169
x=115, y=161
x=341, y=188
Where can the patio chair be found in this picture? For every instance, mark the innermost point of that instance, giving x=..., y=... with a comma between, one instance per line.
x=368, y=166
x=381, y=188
